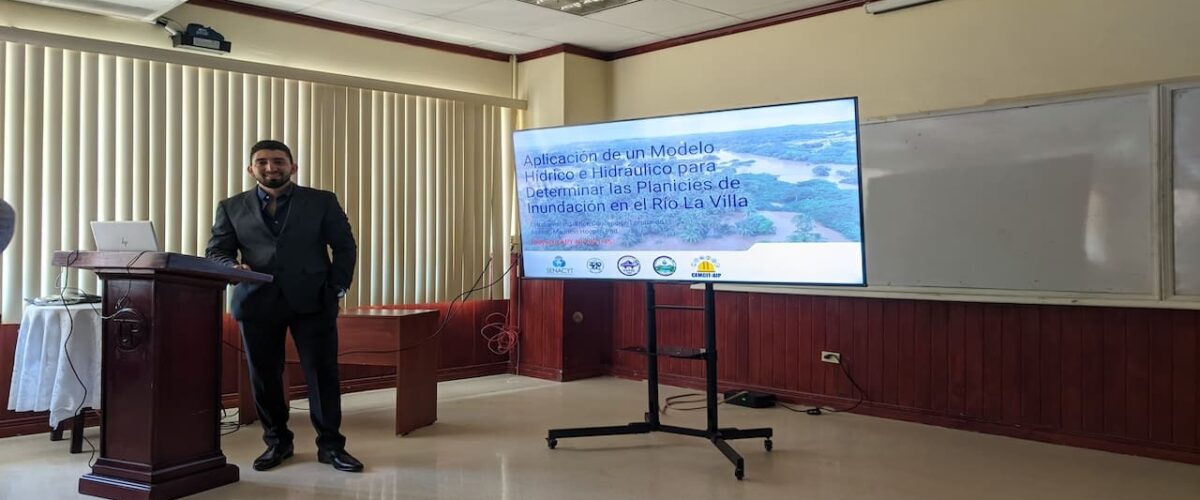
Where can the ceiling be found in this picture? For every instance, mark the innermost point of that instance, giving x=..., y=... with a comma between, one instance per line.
x=515, y=27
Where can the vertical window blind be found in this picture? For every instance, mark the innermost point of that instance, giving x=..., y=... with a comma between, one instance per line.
x=426, y=181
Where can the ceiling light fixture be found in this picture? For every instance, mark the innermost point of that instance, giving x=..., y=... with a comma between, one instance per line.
x=142, y=10
x=881, y=6
x=579, y=7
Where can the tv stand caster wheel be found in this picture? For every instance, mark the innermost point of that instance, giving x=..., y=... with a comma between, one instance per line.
x=739, y=473
x=552, y=443
x=769, y=445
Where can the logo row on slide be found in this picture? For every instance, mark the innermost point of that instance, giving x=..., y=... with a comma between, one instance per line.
x=664, y=265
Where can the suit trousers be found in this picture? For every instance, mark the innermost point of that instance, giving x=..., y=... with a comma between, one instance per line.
x=316, y=339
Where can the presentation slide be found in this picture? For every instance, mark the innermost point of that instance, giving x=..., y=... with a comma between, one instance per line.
x=758, y=195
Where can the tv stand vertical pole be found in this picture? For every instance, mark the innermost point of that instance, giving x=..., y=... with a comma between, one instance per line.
x=651, y=359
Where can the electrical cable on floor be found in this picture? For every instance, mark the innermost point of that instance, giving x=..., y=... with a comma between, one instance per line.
x=699, y=401
x=232, y=426
x=694, y=398
x=818, y=410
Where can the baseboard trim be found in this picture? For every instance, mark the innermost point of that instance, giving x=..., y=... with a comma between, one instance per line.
x=562, y=375
x=39, y=423
x=570, y=374
x=541, y=372
x=921, y=416
x=482, y=370
x=36, y=423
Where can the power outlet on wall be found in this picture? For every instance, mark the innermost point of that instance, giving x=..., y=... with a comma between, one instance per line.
x=831, y=357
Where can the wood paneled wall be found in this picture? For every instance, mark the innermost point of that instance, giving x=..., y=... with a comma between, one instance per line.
x=566, y=329
x=1119, y=379
x=463, y=354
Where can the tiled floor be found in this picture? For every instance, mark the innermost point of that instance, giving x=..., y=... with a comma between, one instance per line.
x=489, y=444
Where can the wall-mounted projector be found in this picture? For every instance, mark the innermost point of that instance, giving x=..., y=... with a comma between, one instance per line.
x=881, y=6
x=202, y=38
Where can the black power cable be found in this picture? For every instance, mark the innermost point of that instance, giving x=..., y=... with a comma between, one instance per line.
x=818, y=410
x=67, y=351
x=122, y=309
x=450, y=311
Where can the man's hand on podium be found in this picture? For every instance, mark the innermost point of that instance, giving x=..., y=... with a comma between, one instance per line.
x=244, y=267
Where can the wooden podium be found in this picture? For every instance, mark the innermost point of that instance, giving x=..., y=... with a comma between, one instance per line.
x=160, y=428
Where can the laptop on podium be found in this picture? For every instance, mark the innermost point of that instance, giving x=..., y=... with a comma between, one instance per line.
x=133, y=236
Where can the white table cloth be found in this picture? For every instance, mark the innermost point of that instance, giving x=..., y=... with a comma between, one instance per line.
x=42, y=377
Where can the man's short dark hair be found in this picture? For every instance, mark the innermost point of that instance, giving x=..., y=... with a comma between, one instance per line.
x=271, y=145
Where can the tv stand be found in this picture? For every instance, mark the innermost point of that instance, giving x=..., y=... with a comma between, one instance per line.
x=651, y=423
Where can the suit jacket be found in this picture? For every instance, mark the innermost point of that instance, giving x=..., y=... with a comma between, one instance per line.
x=299, y=258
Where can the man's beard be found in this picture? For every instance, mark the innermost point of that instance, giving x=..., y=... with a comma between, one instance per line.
x=274, y=182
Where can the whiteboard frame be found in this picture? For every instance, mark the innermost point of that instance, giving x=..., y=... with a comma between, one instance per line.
x=1160, y=95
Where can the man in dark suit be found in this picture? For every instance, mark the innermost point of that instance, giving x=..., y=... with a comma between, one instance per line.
x=289, y=232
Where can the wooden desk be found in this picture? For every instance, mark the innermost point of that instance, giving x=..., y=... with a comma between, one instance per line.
x=383, y=337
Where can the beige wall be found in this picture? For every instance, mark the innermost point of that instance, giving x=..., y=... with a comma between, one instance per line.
x=565, y=89
x=274, y=42
x=588, y=90
x=950, y=54
x=541, y=83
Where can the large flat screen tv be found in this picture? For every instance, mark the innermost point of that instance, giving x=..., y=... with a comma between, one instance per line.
x=770, y=194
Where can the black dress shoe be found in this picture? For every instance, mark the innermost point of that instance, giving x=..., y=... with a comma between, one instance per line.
x=274, y=456
x=340, y=460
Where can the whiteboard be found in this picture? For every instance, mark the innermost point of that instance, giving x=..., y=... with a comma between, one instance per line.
x=1055, y=197
x=1186, y=180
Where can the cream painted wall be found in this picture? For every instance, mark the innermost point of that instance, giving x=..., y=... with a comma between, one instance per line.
x=951, y=54
x=564, y=89
x=541, y=82
x=588, y=90
x=274, y=42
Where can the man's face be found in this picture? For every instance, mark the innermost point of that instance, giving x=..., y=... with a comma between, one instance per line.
x=271, y=168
